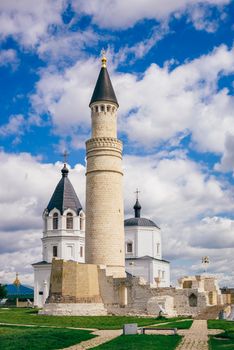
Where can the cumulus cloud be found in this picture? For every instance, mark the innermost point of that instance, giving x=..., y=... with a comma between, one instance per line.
x=9, y=58
x=66, y=95
x=227, y=161
x=124, y=14
x=176, y=193
x=164, y=105
x=188, y=204
x=28, y=186
x=167, y=102
x=66, y=46
x=27, y=23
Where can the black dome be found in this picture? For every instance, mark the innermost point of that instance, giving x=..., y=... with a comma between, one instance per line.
x=139, y=222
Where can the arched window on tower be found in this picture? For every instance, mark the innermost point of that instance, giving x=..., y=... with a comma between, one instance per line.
x=55, y=221
x=82, y=222
x=69, y=221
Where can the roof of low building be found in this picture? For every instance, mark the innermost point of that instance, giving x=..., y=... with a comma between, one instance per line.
x=139, y=222
x=103, y=90
x=41, y=263
x=64, y=196
x=20, y=291
x=147, y=257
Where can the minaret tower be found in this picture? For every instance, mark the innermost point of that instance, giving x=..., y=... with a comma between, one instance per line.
x=104, y=190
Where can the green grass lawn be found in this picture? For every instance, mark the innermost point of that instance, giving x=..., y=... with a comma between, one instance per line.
x=223, y=341
x=30, y=317
x=142, y=342
x=179, y=324
x=40, y=338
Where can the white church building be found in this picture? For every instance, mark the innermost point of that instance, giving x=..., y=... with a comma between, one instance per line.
x=143, y=250
x=63, y=235
x=64, y=238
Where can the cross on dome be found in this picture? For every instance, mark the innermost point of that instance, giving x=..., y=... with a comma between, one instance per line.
x=137, y=193
x=65, y=155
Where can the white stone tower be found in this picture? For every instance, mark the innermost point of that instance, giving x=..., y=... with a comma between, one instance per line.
x=63, y=235
x=104, y=191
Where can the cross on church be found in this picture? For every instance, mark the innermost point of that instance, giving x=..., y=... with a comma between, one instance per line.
x=65, y=155
x=137, y=192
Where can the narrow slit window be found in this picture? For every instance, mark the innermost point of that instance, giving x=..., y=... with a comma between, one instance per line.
x=129, y=247
x=55, y=251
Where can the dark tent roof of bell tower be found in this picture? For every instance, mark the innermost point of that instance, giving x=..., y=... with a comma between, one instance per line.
x=64, y=195
x=103, y=90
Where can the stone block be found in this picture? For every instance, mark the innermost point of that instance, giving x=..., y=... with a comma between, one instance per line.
x=130, y=328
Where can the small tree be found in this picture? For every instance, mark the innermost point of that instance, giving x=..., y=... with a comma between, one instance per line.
x=3, y=291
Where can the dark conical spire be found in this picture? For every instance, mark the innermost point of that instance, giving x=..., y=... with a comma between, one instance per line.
x=103, y=90
x=64, y=195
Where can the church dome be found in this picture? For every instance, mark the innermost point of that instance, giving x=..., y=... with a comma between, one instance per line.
x=137, y=220
x=64, y=195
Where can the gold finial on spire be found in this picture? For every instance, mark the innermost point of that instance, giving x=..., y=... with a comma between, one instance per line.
x=103, y=53
x=17, y=281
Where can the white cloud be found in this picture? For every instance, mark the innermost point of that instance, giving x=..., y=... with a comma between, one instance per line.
x=227, y=160
x=67, y=46
x=9, y=58
x=66, y=95
x=163, y=105
x=176, y=193
x=14, y=126
x=167, y=102
x=28, y=22
x=123, y=14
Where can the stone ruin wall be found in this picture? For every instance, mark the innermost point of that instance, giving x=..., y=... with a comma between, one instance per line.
x=72, y=282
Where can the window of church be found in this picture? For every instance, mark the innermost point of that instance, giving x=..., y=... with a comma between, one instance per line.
x=82, y=222
x=102, y=108
x=96, y=109
x=55, y=221
x=108, y=108
x=158, y=248
x=129, y=247
x=81, y=251
x=69, y=221
x=55, y=251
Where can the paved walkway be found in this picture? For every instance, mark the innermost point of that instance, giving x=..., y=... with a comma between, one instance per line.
x=103, y=337
x=196, y=338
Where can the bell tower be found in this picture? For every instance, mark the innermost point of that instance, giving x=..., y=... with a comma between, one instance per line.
x=104, y=190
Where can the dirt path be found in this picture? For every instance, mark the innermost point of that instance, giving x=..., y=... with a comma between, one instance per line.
x=103, y=337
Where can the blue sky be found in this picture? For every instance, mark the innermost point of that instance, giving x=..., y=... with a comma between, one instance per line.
x=172, y=68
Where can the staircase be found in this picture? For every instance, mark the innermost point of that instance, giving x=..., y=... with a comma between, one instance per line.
x=210, y=312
